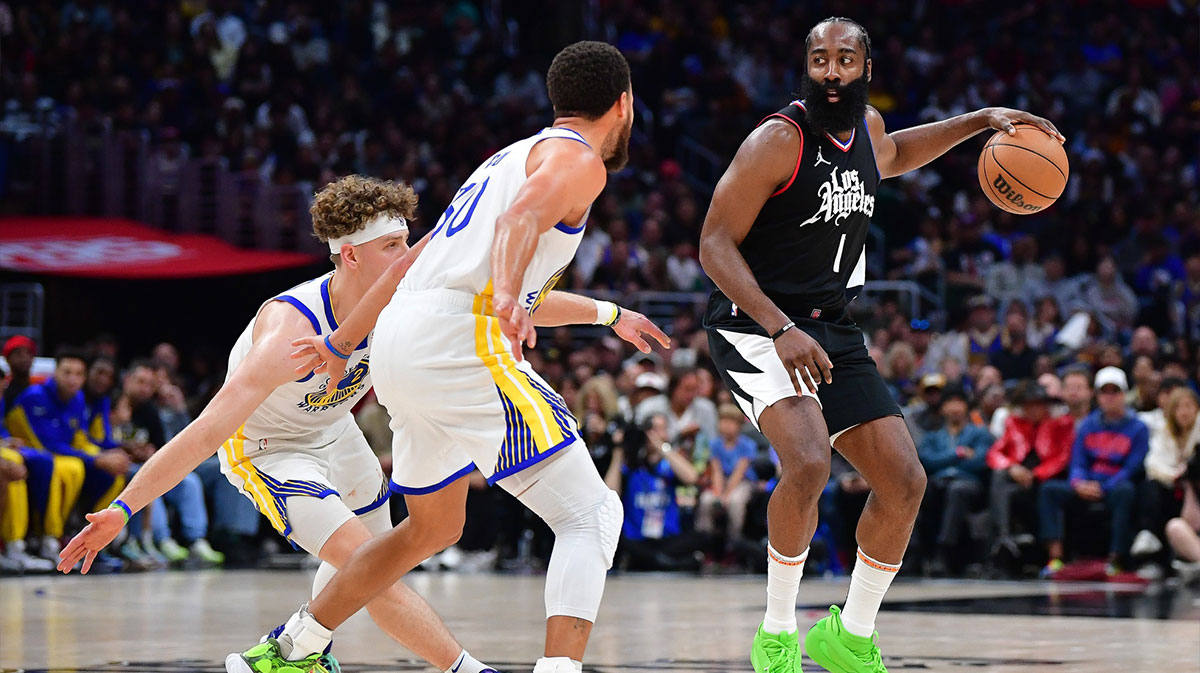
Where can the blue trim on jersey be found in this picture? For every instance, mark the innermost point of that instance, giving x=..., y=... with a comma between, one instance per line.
x=316, y=325
x=535, y=459
x=571, y=230
x=409, y=490
x=384, y=495
x=333, y=323
x=563, y=128
x=312, y=318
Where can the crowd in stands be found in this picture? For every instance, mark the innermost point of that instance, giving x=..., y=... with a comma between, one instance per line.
x=1052, y=403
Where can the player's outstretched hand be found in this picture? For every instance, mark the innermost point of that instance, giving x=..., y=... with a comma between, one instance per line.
x=102, y=529
x=803, y=358
x=315, y=357
x=633, y=325
x=515, y=324
x=1005, y=119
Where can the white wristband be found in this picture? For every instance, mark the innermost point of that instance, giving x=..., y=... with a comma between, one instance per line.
x=606, y=312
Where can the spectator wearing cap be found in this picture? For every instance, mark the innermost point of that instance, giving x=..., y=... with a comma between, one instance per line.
x=52, y=416
x=688, y=415
x=954, y=458
x=1012, y=353
x=922, y=413
x=732, y=477
x=18, y=351
x=1108, y=453
x=1034, y=449
x=1172, y=445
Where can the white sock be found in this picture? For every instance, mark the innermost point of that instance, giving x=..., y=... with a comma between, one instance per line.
x=465, y=663
x=868, y=583
x=557, y=665
x=303, y=636
x=783, y=583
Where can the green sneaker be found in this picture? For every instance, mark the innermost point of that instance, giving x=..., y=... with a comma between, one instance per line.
x=266, y=658
x=773, y=653
x=837, y=650
x=174, y=551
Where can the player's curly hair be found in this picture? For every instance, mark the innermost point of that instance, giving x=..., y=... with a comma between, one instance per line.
x=343, y=206
x=586, y=78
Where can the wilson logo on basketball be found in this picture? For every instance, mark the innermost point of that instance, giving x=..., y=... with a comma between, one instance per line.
x=1008, y=193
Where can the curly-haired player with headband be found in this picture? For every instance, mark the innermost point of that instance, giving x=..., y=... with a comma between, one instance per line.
x=292, y=446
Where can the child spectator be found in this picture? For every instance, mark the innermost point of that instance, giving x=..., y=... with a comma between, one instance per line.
x=732, y=477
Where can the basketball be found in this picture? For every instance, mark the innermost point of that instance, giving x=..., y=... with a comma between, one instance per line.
x=1023, y=173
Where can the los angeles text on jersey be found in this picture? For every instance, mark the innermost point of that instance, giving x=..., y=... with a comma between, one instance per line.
x=346, y=388
x=842, y=195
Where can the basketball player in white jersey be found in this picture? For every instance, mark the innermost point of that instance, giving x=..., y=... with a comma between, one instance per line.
x=292, y=446
x=448, y=367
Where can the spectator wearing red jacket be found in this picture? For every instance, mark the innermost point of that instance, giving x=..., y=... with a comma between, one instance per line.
x=1033, y=449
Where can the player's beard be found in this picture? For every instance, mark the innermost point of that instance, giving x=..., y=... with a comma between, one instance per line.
x=616, y=148
x=845, y=114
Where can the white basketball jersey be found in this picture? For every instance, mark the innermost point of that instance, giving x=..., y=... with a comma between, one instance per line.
x=308, y=413
x=458, y=255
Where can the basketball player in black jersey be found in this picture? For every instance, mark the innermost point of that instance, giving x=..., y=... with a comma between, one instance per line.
x=784, y=240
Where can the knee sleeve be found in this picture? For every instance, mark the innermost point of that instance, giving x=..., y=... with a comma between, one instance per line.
x=314, y=520
x=325, y=572
x=586, y=518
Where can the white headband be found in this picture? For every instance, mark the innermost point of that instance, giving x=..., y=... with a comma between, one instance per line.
x=380, y=226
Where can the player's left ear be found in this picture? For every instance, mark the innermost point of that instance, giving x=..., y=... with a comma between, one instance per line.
x=868, y=66
x=349, y=256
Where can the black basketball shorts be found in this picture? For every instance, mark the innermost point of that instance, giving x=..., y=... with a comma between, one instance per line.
x=751, y=368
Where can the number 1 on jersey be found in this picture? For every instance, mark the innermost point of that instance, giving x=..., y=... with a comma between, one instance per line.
x=837, y=260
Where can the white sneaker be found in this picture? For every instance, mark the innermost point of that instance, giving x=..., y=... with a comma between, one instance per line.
x=1145, y=544
x=1189, y=571
x=50, y=548
x=9, y=567
x=30, y=564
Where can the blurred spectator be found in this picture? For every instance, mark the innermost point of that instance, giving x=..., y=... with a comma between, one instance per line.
x=1012, y=354
x=52, y=415
x=687, y=414
x=954, y=458
x=1034, y=449
x=1107, y=294
x=18, y=351
x=1109, y=449
x=732, y=478
x=1183, y=532
x=1172, y=445
x=923, y=414
x=645, y=471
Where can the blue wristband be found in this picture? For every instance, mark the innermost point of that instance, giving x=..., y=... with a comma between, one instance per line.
x=117, y=504
x=344, y=356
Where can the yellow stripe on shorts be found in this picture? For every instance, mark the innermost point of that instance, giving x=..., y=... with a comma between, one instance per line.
x=235, y=453
x=513, y=384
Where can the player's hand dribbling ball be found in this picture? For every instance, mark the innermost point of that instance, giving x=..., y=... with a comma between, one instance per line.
x=1023, y=172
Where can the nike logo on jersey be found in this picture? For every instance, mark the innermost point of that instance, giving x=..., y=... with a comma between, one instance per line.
x=842, y=195
x=821, y=159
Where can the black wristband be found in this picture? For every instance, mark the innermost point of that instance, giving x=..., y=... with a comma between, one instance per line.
x=782, y=330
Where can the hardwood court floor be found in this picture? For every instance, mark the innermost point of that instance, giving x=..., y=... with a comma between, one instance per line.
x=185, y=622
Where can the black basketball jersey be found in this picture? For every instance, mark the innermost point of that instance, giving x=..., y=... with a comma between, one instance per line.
x=807, y=247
